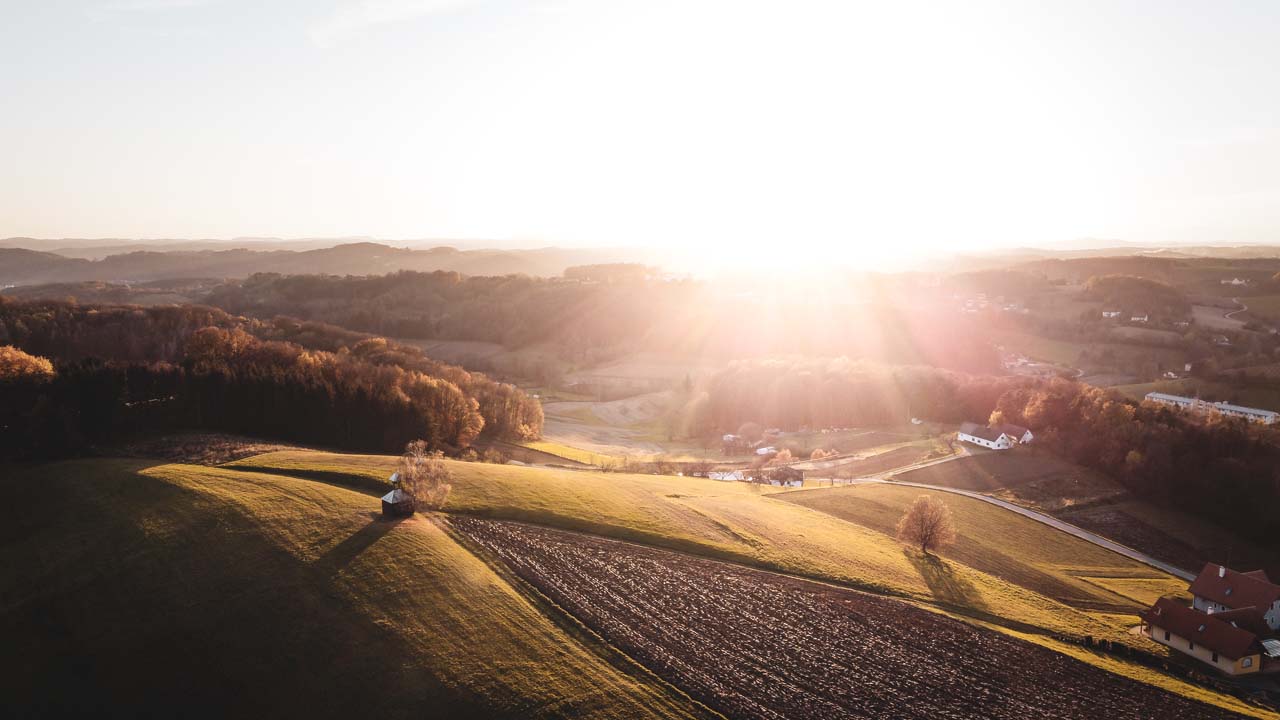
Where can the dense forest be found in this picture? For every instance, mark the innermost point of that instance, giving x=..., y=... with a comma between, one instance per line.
x=1138, y=295
x=588, y=322
x=120, y=370
x=817, y=393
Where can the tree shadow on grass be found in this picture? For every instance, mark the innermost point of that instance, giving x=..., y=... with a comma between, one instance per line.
x=340, y=555
x=946, y=585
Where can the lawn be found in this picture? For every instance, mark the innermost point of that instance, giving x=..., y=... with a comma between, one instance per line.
x=739, y=522
x=1006, y=545
x=175, y=590
x=1022, y=475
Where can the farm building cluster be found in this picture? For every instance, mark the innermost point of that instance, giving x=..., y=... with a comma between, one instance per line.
x=1231, y=623
x=1203, y=407
x=994, y=437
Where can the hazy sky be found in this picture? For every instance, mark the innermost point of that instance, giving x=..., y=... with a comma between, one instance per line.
x=738, y=127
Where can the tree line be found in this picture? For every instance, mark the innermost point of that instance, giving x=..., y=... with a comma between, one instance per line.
x=1221, y=469
x=116, y=371
x=587, y=321
x=838, y=392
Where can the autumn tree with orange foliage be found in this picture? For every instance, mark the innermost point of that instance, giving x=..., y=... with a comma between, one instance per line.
x=17, y=365
x=927, y=524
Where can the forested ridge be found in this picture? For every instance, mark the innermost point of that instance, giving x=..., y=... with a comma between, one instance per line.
x=122, y=370
x=590, y=321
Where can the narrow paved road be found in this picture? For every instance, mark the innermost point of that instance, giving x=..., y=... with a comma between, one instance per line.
x=1049, y=520
x=1243, y=307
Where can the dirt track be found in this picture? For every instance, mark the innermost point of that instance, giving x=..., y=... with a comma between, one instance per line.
x=753, y=644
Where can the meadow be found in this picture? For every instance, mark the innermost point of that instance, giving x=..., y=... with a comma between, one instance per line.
x=739, y=522
x=279, y=581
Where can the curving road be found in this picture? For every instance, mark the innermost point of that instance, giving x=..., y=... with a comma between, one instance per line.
x=1243, y=307
x=1049, y=520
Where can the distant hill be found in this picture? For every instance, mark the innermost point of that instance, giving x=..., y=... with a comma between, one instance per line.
x=20, y=266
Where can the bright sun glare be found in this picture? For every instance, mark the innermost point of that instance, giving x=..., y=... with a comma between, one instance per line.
x=721, y=131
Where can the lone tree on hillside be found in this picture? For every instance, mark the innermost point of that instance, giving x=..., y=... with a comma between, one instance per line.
x=424, y=475
x=927, y=523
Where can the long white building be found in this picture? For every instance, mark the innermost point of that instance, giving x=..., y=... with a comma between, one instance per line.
x=1266, y=417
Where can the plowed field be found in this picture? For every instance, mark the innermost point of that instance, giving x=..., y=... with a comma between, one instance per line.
x=753, y=644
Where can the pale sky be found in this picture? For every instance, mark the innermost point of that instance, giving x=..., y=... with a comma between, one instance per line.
x=733, y=127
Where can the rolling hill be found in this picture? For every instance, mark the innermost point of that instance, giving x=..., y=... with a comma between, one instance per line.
x=230, y=590
x=176, y=590
x=27, y=267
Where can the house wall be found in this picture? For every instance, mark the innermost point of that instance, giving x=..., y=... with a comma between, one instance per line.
x=1271, y=614
x=1001, y=443
x=1205, y=655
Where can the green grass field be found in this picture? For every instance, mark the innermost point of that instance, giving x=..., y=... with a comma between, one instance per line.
x=116, y=571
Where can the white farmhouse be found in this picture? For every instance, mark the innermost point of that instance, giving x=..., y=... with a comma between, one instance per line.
x=984, y=436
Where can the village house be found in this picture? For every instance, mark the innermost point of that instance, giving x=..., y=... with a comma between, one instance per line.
x=1001, y=437
x=1235, y=281
x=1219, y=589
x=1110, y=313
x=1231, y=623
x=1227, y=646
x=1140, y=318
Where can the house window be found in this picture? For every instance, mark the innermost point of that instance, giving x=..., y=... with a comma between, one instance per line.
x=1166, y=635
x=1215, y=657
x=1191, y=645
x=1248, y=662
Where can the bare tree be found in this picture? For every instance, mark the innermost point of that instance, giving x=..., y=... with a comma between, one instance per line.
x=928, y=524
x=424, y=475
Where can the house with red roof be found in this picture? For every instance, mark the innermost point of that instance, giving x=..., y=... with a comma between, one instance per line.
x=1218, y=588
x=1231, y=623
x=1224, y=644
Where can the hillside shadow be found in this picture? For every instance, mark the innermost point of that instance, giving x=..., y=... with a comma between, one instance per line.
x=341, y=555
x=946, y=586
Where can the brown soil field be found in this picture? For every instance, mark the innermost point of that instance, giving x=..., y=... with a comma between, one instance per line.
x=753, y=644
x=899, y=457
x=1024, y=476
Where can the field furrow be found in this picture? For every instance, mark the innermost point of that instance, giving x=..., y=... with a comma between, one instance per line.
x=754, y=644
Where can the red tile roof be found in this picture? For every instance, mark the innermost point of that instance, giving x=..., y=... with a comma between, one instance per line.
x=1234, y=589
x=1249, y=618
x=1205, y=630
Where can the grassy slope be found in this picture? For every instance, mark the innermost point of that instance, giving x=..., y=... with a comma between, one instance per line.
x=180, y=590
x=735, y=521
x=732, y=521
x=1006, y=545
